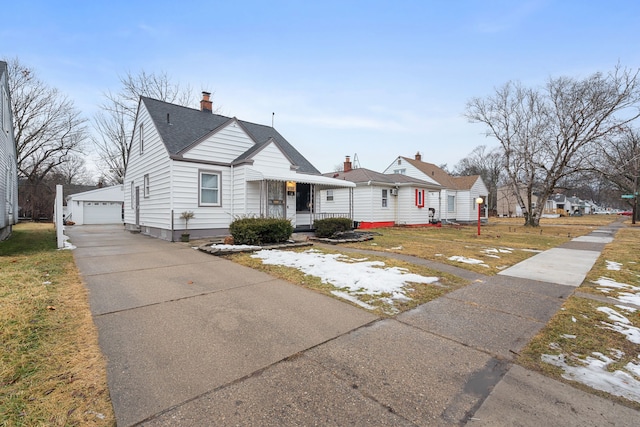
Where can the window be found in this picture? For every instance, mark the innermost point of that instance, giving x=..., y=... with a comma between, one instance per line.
x=419, y=198
x=141, y=137
x=146, y=185
x=210, y=188
x=400, y=171
x=329, y=195
x=451, y=203
x=385, y=197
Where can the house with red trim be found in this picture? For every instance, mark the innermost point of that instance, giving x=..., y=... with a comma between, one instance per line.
x=456, y=201
x=382, y=200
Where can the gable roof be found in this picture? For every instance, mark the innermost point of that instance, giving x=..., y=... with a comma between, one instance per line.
x=360, y=175
x=179, y=127
x=443, y=178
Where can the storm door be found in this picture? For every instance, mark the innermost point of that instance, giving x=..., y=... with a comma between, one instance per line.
x=276, y=201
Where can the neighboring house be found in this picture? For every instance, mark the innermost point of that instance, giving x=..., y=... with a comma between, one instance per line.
x=382, y=200
x=8, y=165
x=99, y=206
x=507, y=202
x=456, y=202
x=220, y=168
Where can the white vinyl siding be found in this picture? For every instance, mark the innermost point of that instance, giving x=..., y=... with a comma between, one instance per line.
x=154, y=211
x=224, y=146
x=209, y=184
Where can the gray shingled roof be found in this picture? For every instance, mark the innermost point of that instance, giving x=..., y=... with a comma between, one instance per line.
x=180, y=127
x=360, y=175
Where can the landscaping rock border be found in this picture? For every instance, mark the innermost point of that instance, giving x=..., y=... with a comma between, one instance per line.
x=231, y=249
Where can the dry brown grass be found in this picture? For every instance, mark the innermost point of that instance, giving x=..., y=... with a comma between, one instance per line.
x=502, y=242
x=579, y=317
x=51, y=370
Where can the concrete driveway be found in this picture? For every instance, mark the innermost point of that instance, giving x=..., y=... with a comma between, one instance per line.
x=192, y=339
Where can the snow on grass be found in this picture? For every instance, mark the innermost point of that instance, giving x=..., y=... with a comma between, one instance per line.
x=593, y=372
x=631, y=296
x=353, y=276
x=612, y=265
x=620, y=324
x=466, y=260
x=236, y=247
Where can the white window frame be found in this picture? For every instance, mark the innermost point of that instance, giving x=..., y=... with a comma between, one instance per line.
x=146, y=186
x=141, y=137
x=329, y=195
x=218, y=174
x=451, y=203
x=385, y=198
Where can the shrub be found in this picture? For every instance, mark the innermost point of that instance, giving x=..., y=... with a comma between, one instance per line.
x=256, y=231
x=329, y=226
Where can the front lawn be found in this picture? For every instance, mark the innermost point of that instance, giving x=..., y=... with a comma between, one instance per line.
x=52, y=372
x=502, y=243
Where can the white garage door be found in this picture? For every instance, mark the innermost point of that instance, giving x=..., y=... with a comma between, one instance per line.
x=102, y=212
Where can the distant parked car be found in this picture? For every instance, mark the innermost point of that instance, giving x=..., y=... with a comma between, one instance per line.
x=626, y=213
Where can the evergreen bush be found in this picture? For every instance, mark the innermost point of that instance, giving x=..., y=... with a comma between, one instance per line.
x=257, y=231
x=329, y=226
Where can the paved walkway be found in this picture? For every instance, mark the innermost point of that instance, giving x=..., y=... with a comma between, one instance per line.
x=194, y=340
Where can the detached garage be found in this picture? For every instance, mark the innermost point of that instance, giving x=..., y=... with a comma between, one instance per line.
x=101, y=206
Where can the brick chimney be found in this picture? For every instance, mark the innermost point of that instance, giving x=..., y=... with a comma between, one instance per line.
x=347, y=164
x=418, y=156
x=205, y=104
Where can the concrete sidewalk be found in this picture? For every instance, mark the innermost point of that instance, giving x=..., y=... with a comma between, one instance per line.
x=193, y=339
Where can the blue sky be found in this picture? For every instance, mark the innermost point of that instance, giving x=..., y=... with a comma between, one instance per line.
x=373, y=78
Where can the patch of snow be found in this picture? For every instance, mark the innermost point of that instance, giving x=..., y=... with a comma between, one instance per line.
x=627, y=308
x=349, y=297
x=236, y=247
x=554, y=346
x=397, y=248
x=573, y=319
x=593, y=372
x=632, y=296
x=347, y=274
x=532, y=250
x=466, y=260
x=568, y=336
x=621, y=324
x=612, y=265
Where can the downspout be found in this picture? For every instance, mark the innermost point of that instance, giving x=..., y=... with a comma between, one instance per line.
x=233, y=184
x=395, y=206
x=172, y=225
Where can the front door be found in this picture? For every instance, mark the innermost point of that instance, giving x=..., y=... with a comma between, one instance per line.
x=276, y=202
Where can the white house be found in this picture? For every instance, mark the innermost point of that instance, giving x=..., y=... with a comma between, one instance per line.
x=99, y=206
x=8, y=168
x=456, y=202
x=382, y=200
x=220, y=168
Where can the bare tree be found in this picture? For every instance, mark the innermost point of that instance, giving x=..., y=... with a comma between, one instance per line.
x=47, y=126
x=114, y=123
x=551, y=133
x=620, y=164
x=489, y=164
x=73, y=171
